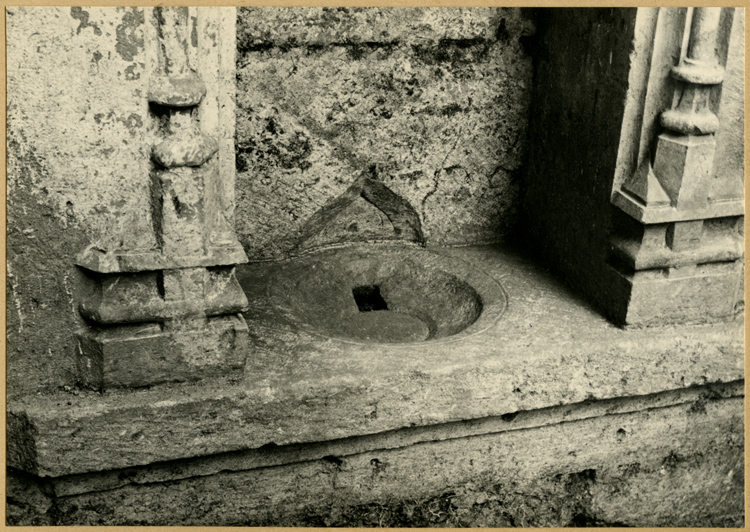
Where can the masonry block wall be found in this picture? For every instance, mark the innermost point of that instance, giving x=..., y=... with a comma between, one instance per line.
x=432, y=104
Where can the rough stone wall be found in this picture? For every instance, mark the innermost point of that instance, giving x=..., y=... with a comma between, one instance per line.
x=431, y=102
x=77, y=170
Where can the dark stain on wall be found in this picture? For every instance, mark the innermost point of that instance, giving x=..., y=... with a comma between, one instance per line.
x=130, y=34
x=83, y=18
x=42, y=283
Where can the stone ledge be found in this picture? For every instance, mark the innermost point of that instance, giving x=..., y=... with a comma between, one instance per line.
x=665, y=214
x=548, y=349
x=271, y=456
x=674, y=465
x=120, y=261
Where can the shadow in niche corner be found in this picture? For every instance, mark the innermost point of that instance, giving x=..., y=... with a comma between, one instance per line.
x=368, y=211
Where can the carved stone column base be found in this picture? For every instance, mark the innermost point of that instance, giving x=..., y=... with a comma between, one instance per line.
x=704, y=293
x=146, y=354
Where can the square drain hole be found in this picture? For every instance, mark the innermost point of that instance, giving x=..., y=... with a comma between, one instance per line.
x=368, y=298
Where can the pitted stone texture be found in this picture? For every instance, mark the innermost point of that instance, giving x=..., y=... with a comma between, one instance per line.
x=79, y=144
x=77, y=171
x=678, y=464
x=172, y=91
x=179, y=200
x=437, y=114
x=186, y=349
x=189, y=150
x=285, y=26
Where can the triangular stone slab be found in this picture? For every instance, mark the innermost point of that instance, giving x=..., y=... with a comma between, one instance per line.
x=367, y=211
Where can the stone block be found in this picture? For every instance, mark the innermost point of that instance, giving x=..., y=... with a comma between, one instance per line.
x=147, y=354
x=183, y=285
x=708, y=292
x=121, y=298
x=178, y=195
x=223, y=293
x=684, y=235
x=650, y=252
x=683, y=166
x=646, y=461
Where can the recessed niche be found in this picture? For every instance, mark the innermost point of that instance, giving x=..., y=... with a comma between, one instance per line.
x=368, y=298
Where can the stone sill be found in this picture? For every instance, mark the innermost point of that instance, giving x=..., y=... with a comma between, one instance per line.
x=548, y=349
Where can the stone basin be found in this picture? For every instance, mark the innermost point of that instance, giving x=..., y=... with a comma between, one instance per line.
x=388, y=294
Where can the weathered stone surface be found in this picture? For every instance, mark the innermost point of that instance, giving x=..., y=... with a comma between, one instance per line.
x=437, y=109
x=101, y=261
x=729, y=167
x=190, y=150
x=647, y=247
x=645, y=186
x=285, y=26
x=150, y=296
x=683, y=166
x=704, y=74
x=672, y=464
x=77, y=171
x=707, y=287
x=148, y=354
x=651, y=92
x=172, y=91
x=270, y=455
x=448, y=299
x=366, y=211
x=569, y=223
x=649, y=82
x=667, y=213
x=701, y=293
x=548, y=349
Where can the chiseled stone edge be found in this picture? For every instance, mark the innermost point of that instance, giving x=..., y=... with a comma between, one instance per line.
x=121, y=261
x=666, y=214
x=111, y=431
x=399, y=438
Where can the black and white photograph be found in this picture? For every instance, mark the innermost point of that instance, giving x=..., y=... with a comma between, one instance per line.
x=375, y=267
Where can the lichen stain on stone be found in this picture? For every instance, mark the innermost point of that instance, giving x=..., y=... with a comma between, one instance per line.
x=132, y=122
x=184, y=210
x=131, y=74
x=194, y=32
x=83, y=16
x=129, y=36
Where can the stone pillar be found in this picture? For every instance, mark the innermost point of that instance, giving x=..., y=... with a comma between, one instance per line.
x=678, y=250
x=173, y=313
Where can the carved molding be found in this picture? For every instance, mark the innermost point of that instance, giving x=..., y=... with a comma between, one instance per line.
x=172, y=313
